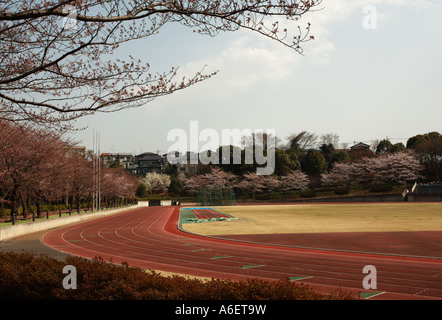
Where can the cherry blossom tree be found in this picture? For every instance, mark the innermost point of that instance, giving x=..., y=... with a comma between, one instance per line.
x=48, y=173
x=341, y=174
x=30, y=160
x=117, y=185
x=251, y=183
x=156, y=182
x=194, y=183
x=270, y=183
x=38, y=164
x=57, y=56
x=13, y=163
x=397, y=168
x=220, y=177
x=79, y=179
x=216, y=176
x=296, y=180
x=126, y=184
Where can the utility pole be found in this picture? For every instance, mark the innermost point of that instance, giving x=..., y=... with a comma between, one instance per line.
x=96, y=169
x=93, y=170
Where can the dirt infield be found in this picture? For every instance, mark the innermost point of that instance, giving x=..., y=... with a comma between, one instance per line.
x=325, y=218
x=409, y=229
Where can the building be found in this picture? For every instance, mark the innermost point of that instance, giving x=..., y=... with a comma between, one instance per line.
x=425, y=192
x=190, y=165
x=125, y=160
x=76, y=150
x=360, y=146
x=148, y=162
x=137, y=165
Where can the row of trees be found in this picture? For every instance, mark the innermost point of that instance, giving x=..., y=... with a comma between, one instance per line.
x=39, y=166
x=298, y=169
x=317, y=155
x=395, y=169
x=249, y=183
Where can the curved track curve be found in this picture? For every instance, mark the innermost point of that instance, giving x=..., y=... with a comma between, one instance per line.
x=150, y=239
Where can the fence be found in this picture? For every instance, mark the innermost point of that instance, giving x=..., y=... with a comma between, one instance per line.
x=216, y=196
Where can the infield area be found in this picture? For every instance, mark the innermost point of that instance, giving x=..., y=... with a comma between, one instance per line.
x=324, y=218
x=406, y=229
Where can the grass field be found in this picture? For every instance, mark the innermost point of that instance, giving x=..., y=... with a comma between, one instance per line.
x=315, y=218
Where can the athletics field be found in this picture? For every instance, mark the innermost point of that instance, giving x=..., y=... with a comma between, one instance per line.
x=390, y=228
x=314, y=218
x=321, y=245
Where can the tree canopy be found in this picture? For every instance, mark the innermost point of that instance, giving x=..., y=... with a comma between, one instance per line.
x=56, y=56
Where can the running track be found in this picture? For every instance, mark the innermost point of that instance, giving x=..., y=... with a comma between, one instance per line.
x=149, y=238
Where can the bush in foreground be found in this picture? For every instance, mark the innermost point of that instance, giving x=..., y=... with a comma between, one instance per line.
x=23, y=276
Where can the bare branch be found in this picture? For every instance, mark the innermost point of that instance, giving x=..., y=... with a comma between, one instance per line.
x=50, y=69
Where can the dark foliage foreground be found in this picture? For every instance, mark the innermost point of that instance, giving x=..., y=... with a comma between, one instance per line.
x=24, y=276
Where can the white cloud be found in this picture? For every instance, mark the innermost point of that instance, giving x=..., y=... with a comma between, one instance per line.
x=252, y=59
x=245, y=62
x=340, y=10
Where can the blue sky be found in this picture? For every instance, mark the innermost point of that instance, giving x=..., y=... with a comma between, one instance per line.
x=362, y=84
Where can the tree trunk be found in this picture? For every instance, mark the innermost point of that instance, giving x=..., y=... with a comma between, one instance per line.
x=23, y=204
x=38, y=205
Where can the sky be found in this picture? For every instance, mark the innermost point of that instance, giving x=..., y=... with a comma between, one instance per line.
x=363, y=79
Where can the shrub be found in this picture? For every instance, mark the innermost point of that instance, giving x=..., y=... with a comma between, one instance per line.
x=381, y=188
x=307, y=193
x=342, y=191
x=263, y=196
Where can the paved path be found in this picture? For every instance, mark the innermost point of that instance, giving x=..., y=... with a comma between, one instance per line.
x=31, y=243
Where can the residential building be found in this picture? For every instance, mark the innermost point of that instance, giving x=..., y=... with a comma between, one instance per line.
x=184, y=163
x=148, y=162
x=125, y=160
x=360, y=146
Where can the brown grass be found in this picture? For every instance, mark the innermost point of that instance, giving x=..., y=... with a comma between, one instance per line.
x=315, y=218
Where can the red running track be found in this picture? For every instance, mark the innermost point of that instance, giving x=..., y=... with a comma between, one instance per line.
x=208, y=214
x=149, y=238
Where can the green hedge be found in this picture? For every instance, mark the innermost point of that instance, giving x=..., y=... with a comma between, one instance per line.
x=342, y=190
x=308, y=193
x=27, y=277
